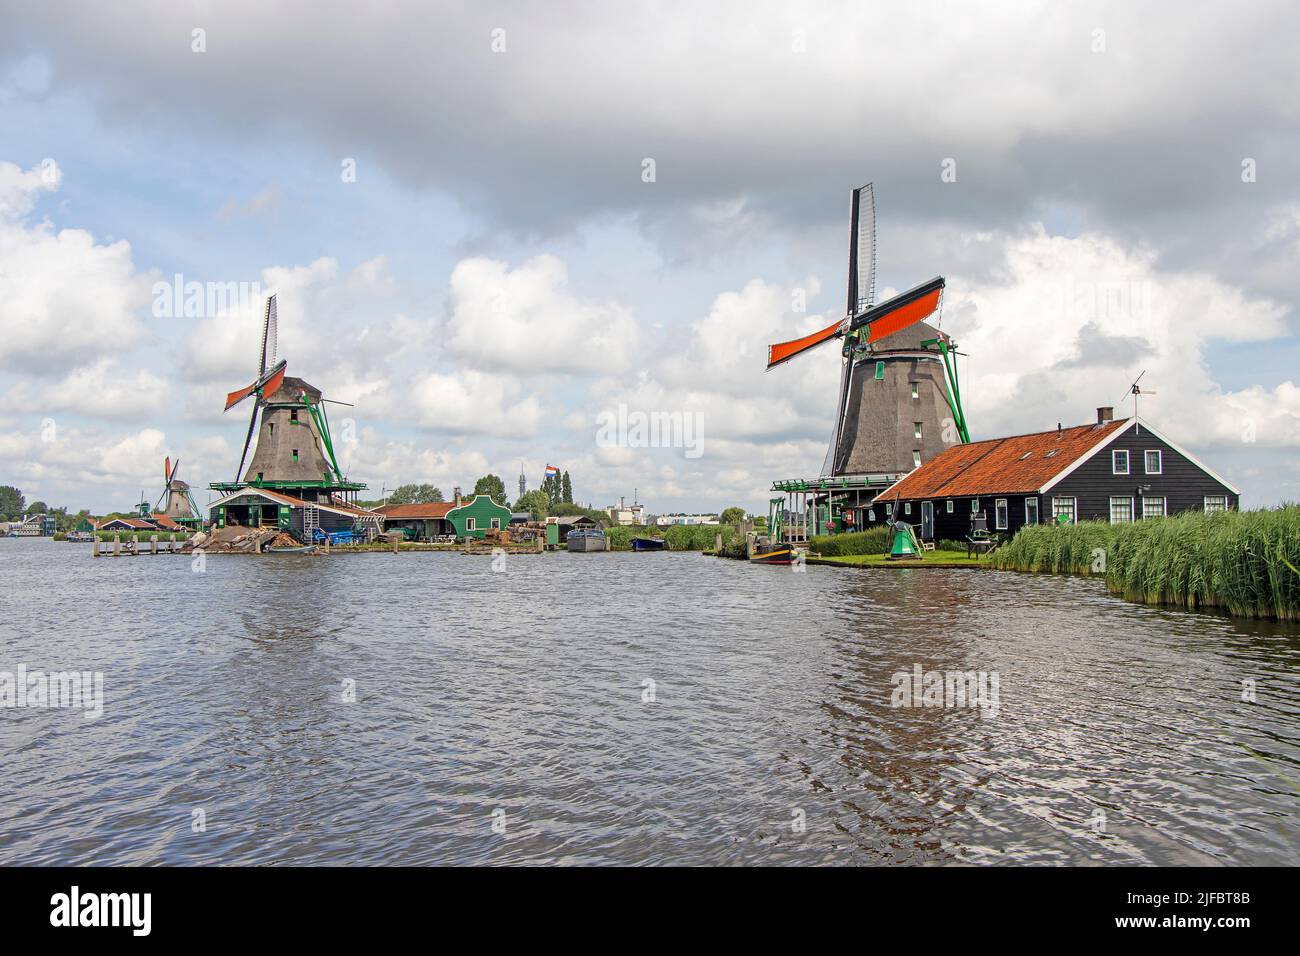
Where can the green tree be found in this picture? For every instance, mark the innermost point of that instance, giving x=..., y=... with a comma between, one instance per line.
x=551, y=485
x=415, y=495
x=535, y=503
x=37, y=508
x=732, y=516
x=492, y=486
x=12, y=503
x=566, y=490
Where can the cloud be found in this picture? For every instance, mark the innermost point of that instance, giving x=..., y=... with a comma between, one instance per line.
x=64, y=299
x=103, y=389
x=528, y=321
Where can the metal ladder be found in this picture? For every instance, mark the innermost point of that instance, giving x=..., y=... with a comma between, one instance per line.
x=310, y=522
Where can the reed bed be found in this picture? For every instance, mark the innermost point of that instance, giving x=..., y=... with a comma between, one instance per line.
x=1246, y=563
x=872, y=541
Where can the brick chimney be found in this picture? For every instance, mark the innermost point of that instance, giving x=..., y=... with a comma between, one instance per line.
x=457, y=496
x=1105, y=413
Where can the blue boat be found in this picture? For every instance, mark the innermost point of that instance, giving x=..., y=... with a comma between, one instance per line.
x=647, y=544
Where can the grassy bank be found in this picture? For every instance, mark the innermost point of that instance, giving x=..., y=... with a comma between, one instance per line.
x=1246, y=563
x=938, y=558
x=676, y=537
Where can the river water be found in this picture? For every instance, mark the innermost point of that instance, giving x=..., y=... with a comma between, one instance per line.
x=629, y=709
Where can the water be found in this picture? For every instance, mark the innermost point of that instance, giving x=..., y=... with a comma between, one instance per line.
x=516, y=698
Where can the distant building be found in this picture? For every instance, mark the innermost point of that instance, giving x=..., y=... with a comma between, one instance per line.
x=34, y=526
x=666, y=520
x=622, y=514
x=475, y=517
x=423, y=522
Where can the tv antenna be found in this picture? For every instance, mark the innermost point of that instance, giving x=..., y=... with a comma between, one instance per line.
x=1136, y=391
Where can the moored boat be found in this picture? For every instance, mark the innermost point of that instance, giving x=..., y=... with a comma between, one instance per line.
x=772, y=554
x=587, y=539
x=647, y=544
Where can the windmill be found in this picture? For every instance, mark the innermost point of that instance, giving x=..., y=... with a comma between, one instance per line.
x=268, y=380
x=176, y=502
x=898, y=375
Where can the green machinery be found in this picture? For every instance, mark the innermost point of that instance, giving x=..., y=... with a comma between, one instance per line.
x=905, y=547
x=953, y=395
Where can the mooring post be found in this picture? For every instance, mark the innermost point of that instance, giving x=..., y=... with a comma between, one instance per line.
x=717, y=542
x=94, y=545
x=117, y=545
x=153, y=544
x=395, y=540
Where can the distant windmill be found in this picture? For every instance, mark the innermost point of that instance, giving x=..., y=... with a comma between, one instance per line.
x=1136, y=391
x=176, y=502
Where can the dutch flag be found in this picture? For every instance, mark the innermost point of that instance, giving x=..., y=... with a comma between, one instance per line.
x=552, y=471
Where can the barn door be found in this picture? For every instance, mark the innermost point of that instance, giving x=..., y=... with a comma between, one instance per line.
x=927, y=520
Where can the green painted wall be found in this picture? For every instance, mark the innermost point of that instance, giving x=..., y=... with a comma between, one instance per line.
x=482, y=509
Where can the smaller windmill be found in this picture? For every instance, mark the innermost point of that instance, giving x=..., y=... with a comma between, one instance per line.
x=176, y=502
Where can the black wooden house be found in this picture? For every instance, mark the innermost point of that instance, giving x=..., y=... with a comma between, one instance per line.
x=1117, y=471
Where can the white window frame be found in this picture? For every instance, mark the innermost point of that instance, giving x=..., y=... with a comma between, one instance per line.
x=1001, y=514
x=1074, y=508
x=1160, y=461
x=1114, y=461
x=916, y=430
x=916, y=390
x=1115, y=498
x=948, y=506
x=1226, y=499
x=916, y=458
x=907, y=507
x=470, y=524
x=496, y=524
x=974, y=506
x=1031, y=500
x=1164, y=506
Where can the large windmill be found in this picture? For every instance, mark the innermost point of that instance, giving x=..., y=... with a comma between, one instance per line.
x=176, y=502
x=294, y=454
x=898, y=403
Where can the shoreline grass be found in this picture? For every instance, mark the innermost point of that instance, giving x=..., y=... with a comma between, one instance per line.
x=1241, y=562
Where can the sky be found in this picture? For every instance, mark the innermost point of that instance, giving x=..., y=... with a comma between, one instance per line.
x=495, y=228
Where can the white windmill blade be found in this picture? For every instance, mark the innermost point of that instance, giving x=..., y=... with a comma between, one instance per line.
x=866, y=247
x=270, y=336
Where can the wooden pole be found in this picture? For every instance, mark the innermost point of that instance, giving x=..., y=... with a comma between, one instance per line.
x=117, y=545
x=153, y=544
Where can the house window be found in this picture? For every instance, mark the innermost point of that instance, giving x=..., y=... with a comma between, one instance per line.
x=270, y=428
x=974, y=505
x=295, y=454
x=916, y=389
x=916, y=458
x=1215, y=503
x=1063, y=508
x=1031, y=511
x=1153, y=462
x=471, y=524
x=880, y=371
x=916, y=430
x=496, y=523
x=1153, y=508
x=871, y=514
x=293, y=414
x=1119, y=461
x=259, y=476
x=1121, y=510
x=948, y=506
x=1000, y=514
x=907, y=507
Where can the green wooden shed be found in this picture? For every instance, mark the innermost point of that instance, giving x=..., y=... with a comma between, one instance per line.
x=473, y=518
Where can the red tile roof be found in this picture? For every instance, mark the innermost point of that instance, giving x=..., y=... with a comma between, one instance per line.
x=1020, y=464
x=166, y=523
x=433, y=509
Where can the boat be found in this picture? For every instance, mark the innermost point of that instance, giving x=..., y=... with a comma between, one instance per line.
x=586, y=539
x=647, y=544
x=302, y=549
x=764, y=553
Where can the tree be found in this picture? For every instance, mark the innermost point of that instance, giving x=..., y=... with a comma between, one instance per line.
x=491, y=486
x=535, y=503
x=415, y=495
x=551, y=485
x=566, y=490
x=732, y=516
x=12, y=503
x=38, y=508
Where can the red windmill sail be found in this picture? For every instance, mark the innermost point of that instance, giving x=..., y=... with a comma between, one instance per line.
x=270, y=376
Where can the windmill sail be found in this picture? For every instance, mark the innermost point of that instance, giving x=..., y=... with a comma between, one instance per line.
x=862, y=295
